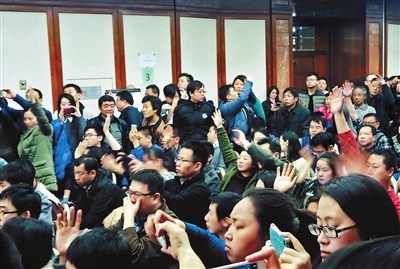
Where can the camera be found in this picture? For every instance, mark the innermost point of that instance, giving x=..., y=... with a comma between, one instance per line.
x=69, y=110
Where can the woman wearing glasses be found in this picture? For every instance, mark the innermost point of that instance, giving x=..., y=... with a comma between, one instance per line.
x=352, y=209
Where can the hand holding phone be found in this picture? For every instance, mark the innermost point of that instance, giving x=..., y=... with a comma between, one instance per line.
x=243, y=265
x=278, y=242
x=69, y=110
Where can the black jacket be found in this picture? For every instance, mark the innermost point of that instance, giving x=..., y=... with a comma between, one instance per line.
x=190, y=200
x=296, y=120
x=194, y=119
x=97, y=201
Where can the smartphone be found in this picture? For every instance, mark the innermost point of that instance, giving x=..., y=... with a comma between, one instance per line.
x=69, y=110
x=3, y=93
x=278, y=242
x=163, y=239
x=243, y=265
x=133, y=127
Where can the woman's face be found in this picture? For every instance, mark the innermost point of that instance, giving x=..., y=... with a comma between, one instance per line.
x=331, y=214
x=147, y=110
x=273, y=94
x=358, y=97
x=242, y=236
x=30, y=120
x=324, y=172
x=244, y=162
x=64, y=103
x=238, y=85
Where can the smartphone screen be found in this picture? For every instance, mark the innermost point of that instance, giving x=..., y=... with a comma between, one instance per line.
x=243, y=265
x=278, y=242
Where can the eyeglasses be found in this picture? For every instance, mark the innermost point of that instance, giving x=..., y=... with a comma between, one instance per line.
x=177, y=160
x=89, y=135
x=329, y=231
x=137, y=194
x=2, y=213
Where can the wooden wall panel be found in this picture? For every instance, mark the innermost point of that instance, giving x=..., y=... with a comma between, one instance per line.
x=373, y=48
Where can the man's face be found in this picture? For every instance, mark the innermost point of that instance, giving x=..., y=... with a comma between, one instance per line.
x=149, y=92
x=318, y=150
x=4, y=184
x=365, y=137
x=148, y=110
x=7, y=211
x=144, y=140
x=374, y=88
x=212, y=135
x=358, y=96
x=107, y=108
x=198, y=95
x=120, y=104
x=232, y=94
x=91, y=138
x=371, y=121
x=316, y=128
x=376, y=168
x=289, y=100
x=185, y=165
x=322, y=85
x=140, y=191
x=311, y=81
x=83, y=177
x=74, y=93
x=169, y=100
x=182, y=85
x=214, y=225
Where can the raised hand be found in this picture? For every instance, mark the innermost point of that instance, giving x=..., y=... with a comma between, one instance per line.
x=285, y=180
x=217, y=118
x=106, y=126
x=238, y=137
x=336, y=100
x=67, y=231
x=347, y=89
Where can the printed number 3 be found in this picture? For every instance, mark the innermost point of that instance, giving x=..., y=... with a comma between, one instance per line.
x=147, y=77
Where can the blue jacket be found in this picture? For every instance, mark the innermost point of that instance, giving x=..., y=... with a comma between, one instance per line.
x=65, y=142
x=233, y=112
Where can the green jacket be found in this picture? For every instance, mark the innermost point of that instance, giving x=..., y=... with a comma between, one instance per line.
x=230, y=160
x=36, y=145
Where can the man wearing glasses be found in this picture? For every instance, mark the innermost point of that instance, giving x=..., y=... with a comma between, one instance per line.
x=188, y=194
x=144, y=197
x=19, y=200
x=97, y=196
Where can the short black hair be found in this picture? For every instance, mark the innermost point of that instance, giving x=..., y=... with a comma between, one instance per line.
x=105, y=98
x=323, y=139
x=223, y=92
x=309, y=74
x=389, y=157
x=76, y=87
x=125, y=95
x=154, y=101
x=225, y=202
x=18, y=171
x=150, y=177
x=89, y=162
x=170, y=90
x=99, y=248
x=154, y=88
x=200, y=152
x=274, y=145
x=293, y=91
x=24, y=198
x=188, y=76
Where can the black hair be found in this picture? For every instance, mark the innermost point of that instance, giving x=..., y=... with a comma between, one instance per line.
x=67, y=96
x=259, y=130
x=189, y=77
x=7, y=153
x=18, y=171
x=193, y=86
x=152, y=178
x=294, y=145
x=242, y=78
x=293, y=91
x=270, y=89
x=76, y=87
x=209, y=146
x=367, y=203
x=389, y=157
x=274, y=145
x=272, y=206
x=154, y=88
x=199, y=151
x=372, y=128
x=358, y=256
x=319, y=119
x=105, y=98
x=39, y=92
x=371, y=115
x=154, y=101
x=312, y=74
x=24, y=198
x=225, y=202
x=33, y=238
x=170, y=90
x=323, y=139
x=99, y=248
x=89, y=162
x=334, y=163
x=125, y=95
x=223, y=92
x=98, y=129
x=9, y=255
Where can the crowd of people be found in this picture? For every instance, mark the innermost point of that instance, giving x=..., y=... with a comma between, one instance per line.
x=187, y=183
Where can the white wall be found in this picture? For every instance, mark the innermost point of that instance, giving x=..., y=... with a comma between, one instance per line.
x=24, y=53
x=147, y=35
x=393, y=51
x=246, y=53
x=87, y=51
x=199, y=52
